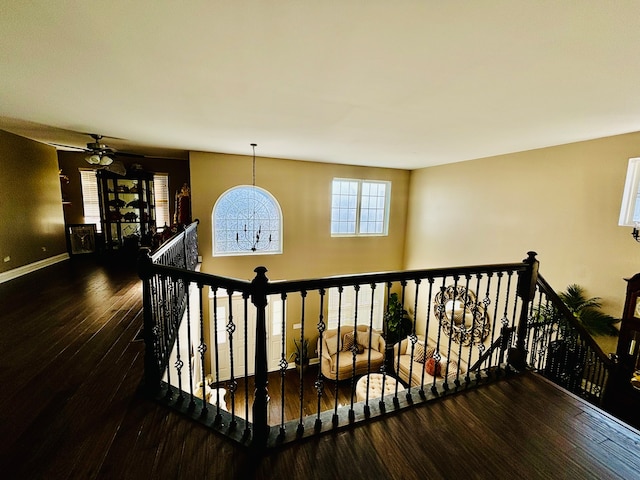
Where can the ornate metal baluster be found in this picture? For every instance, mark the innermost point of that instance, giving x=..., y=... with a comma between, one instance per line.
x=166, y=323
x=179, y=364
x=303, y=295
x=445, y=384
x=192, y=403
x=367, y=410
x=413, y=340
x=245, y=297
x=202, y=349
x=513, y=318
x=335, y=418
x=354, y=352
x=426, y=333
x=283, y=361
x=485, y=305
x=481, y=347
x=319, y=381
x=233, y=384
x=504, y=321
x=440, y=314
x=537, y=333
x=216, y=346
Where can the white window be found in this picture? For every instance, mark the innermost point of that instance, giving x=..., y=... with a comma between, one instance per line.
x=90, y=200
x=346, y=307
x=161, y=199
x=246, y=220
x=630, y=208
x=359, y=207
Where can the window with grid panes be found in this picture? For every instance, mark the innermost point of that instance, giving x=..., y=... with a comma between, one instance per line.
x=359, y=207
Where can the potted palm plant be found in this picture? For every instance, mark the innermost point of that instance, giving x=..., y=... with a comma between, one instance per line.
x=301, y=354
x=397, y=320
x=588, y=313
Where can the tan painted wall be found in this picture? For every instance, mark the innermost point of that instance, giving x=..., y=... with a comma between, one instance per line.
x=562, y=202
x=31, y=216
x=303, y=190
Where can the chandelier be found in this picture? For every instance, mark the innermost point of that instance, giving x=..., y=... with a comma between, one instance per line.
x=250, y=237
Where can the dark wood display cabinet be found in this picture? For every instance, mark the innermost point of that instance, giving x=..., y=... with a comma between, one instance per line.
x=623, y=396
x=127, y=210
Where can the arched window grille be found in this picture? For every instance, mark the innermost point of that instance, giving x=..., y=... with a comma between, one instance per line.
x=246, y=220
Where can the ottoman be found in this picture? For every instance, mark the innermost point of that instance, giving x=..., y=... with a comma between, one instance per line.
x=373, y=382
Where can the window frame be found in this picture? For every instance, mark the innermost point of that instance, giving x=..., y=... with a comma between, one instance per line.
x=364, y=307
x=238, y=253
x=630, y=207
x=90, y=198
x=161, y=180
x=358, y=208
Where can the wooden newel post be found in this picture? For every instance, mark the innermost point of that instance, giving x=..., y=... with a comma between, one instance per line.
x=261, y=401
x=527, y=280
x=151, y=368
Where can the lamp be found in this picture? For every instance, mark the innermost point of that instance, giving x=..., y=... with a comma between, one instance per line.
x=101, y=159
x=250, y=238
x=93, y=159
x=630, y=208
x=105, y=160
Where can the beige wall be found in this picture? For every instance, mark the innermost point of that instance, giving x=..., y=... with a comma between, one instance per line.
x=562, y=202
x=31, y=216
x=303, y=190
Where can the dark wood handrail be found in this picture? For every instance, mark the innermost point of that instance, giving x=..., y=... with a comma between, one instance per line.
x=173, y=241
x=286, y=286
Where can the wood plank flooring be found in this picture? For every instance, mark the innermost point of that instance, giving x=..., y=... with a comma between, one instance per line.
x=70, y=408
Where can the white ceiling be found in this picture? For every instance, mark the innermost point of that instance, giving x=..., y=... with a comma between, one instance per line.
x=404, y=84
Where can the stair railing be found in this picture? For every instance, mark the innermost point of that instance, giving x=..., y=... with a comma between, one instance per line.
x=561, y=349
x=206, y=340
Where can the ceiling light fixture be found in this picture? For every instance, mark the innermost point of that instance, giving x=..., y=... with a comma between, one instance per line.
x=251, y=238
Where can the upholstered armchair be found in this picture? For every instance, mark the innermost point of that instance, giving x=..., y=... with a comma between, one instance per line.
x=336, y=361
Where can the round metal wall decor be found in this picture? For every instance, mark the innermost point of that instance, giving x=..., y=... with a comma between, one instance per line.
x=461, y=316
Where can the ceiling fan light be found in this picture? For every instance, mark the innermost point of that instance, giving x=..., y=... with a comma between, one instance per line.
x=105, y=160
x=93, y=159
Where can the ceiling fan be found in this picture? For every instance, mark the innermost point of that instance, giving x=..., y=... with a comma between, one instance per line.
x=99, y=155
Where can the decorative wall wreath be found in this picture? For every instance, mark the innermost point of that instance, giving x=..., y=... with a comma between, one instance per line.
x=461, y=316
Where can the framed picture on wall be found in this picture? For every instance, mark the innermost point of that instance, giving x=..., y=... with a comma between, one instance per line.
x=82, y=238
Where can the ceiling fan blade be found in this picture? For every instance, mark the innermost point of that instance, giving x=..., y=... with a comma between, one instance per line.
x=67, y=147
x=116, y=167
x=129, y=154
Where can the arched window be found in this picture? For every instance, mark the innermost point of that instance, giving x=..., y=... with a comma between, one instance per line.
x=246, y=220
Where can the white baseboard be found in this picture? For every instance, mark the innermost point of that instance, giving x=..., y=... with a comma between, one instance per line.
x=32, y=267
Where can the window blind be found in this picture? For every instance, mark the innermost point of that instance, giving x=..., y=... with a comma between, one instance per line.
x=90, y=200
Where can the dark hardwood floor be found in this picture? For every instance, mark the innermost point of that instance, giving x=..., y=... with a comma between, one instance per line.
x=70, y=370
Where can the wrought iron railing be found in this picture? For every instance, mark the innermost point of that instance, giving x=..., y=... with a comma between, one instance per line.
x=164, y=299
x=217, y=347
x=562, y=350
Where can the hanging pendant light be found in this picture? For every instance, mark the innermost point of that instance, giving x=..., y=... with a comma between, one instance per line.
x=251, y=238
